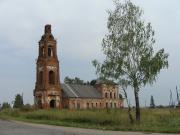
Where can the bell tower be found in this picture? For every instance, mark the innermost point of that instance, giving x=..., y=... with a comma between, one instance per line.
x=47, y=93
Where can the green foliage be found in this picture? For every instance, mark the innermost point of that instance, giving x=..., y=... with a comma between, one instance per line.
x=5, y=105
x=18, y=103
x=93, y=82
x=128, y=47
x=27, y=107
x=10, y=112
x=152, y=104
x=75, y=80
x=120, y=96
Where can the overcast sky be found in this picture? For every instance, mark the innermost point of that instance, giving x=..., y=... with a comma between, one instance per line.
x=79, y=27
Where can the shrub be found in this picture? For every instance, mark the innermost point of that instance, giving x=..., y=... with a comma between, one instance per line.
x=5, y=105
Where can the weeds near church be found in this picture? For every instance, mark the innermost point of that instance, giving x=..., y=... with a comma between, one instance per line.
x=153, y=120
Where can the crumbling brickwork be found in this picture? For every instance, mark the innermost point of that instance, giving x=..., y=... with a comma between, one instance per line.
x=47, y=91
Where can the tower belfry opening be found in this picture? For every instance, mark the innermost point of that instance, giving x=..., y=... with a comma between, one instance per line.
x=51, y=77
x=50, y=51
x=47, y=93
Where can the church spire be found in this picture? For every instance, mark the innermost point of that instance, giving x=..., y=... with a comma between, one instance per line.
x=47, y=29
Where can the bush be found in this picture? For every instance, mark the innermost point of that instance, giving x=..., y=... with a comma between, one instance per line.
x=27, y=108
x=5, y=105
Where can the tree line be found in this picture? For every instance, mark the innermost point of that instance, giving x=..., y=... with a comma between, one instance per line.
x=17, y=103
x=77, y=80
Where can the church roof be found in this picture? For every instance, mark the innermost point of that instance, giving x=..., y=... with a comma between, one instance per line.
x=80, y=91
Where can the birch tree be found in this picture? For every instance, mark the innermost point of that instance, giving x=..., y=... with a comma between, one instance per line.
x=128, y=47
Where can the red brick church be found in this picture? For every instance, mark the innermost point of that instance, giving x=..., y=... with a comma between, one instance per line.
x=51, y=93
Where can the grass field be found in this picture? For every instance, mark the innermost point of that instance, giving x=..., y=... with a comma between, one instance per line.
x=152, y=120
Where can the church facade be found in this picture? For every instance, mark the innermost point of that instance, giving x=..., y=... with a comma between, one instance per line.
x=50, y=93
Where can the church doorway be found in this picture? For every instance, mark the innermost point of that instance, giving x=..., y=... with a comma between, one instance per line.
x=52, y=103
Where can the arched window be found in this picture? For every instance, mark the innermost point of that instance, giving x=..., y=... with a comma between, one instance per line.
x=106, y=95
x=114, y=105
x=92, y=105
x=110, y=94
x=40, y=77
x=50, y=51
x=51, y=77
x=106, y=104
x=42, y=52
x=87, y=105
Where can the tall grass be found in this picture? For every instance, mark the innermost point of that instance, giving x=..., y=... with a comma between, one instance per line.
x=152, y=120
x=101, y=117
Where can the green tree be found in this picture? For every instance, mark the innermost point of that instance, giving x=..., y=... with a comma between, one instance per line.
x=68, y=80
x=78, y=81
x=75, y=80
x=93, y=82
x=18, y=102
x=128, y=47
x=152, y=104
x=5, y=105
